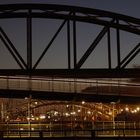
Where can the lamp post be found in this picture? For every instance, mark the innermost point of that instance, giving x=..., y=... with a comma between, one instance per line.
x=29, y=113
x=113, y=116
x=2, y=112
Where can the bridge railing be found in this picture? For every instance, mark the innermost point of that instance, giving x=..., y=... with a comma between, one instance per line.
x=94, y=86
x=97, y=129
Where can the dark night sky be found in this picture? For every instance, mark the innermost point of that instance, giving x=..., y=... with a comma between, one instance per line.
x=15, y=29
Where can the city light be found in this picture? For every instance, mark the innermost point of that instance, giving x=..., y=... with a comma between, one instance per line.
x=73, y=113
x=89, y=112
x=126, y=109
x=67, y=114
x=36, y=103
x=83, y=102
x=55, y=113
x=42, y=117
x=21, y=129
x=37, y=118
x=138, y=109
x=32, y=129
x=79, y=110
x=28, y=118
x=110, y=113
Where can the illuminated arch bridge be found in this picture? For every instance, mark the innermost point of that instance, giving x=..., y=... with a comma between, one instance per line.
x=116, y=56
x=61, y=108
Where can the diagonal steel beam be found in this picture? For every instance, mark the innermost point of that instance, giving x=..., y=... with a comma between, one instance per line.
x=49, y=44
x=131, y=58
x=12, y=47
x=11, y=52
x=129, y=55
x=92, y=46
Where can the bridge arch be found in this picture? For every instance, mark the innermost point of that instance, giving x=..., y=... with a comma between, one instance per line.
x=71, y=14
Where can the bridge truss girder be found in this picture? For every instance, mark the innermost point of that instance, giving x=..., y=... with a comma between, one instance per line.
x=70, y=16
x=60, y=96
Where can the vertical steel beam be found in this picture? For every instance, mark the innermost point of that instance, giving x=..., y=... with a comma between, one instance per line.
x=68, y=39
x=29, y=41
x=118, y=45
x=109, y=49
x=74, y=42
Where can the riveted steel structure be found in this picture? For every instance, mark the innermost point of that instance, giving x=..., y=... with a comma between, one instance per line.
x=70, y=15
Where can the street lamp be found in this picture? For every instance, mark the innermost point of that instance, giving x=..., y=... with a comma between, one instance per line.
x=113, y=116
x=29, y=113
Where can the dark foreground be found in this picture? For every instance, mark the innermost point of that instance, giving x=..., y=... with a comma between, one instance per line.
x=76, y=138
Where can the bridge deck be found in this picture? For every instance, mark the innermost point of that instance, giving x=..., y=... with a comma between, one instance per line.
x=69, y=89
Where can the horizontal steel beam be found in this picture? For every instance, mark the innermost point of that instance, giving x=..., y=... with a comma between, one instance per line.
x=71, y=73
x=61, y=96
x=94, y=16
x=59, y=8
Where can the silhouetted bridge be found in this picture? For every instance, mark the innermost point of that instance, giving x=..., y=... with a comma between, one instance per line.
x=62, y=82
x=111, y=26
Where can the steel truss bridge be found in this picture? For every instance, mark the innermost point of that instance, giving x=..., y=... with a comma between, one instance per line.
x=70, y=16
x=73, y=82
